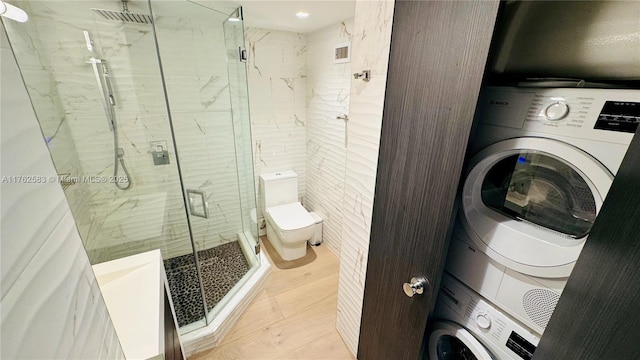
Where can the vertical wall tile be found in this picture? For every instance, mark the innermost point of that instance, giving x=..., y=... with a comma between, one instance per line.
x=327, y=98
x=51, y=306
x=276, y=71
x=371, y=40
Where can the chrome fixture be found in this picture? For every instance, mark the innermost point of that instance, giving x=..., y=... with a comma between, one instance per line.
x=345, y=117
x=103, y=78
x=416, y=286
x=125, y=15
x=364, y=75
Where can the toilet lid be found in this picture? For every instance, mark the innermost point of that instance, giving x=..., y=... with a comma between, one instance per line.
x=290, y=216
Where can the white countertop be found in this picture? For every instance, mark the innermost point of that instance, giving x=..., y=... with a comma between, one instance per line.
x=133, y=289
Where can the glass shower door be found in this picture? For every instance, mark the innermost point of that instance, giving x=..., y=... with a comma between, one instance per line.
x=211, y=150
x=239, y=94
x=93, y=76
x=153, y=86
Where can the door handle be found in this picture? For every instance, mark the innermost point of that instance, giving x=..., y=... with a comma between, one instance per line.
x=416, y=286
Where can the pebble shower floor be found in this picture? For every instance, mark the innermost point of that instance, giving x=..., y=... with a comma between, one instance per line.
x=222, y=267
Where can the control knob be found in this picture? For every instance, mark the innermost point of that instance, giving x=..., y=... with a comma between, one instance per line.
x=483, y=320
x=556, y=111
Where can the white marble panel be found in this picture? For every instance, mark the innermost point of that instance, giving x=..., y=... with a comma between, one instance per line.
x=58, y=289
x=365, y=108
x=361, y=164
x=46, y=275
x=372, y=33
x=133, y=91
x=272, y=53
x=277, y=91
x=177, y=50
x=23, y=153
x=327, y=97
x=208, y=164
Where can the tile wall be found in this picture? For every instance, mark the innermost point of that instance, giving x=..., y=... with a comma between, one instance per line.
x=52, y=53
x=371, y=42
x=51, y=306
x=276, y=73
x=328, y=86
x=337, y=162
x=194, y=60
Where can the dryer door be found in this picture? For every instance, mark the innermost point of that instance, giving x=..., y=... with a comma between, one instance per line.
x=529, y=203
x=450, y=341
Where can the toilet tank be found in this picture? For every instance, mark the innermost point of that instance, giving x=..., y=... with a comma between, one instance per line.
x=278, y=189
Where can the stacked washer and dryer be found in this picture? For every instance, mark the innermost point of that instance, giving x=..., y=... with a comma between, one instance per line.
x=544, y=162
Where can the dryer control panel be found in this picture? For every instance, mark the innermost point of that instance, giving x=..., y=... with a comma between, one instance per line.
x=594, y=114
x=619, y=116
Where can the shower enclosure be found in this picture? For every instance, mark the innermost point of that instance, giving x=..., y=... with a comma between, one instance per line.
x=144, y=107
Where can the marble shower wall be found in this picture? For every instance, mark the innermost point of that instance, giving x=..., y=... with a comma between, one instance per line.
x=115, y=223
x=46, y=277
x=276, y=72
x=371, y=43
x=328, y=86
x=44, y=95
x=194, y=59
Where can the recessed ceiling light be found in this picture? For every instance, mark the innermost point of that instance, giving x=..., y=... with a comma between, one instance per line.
x=302, y=15
x=234, y=19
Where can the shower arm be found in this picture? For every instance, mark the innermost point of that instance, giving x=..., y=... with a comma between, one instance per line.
x=107, y=99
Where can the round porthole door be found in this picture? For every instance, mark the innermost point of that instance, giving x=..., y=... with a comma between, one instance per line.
x=450, y=341
x=529, y=203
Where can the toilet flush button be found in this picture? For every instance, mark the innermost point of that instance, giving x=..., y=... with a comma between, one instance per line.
x=483, y=320
x=556, y=111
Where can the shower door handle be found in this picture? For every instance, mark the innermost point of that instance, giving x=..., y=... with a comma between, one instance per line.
x=198, y=205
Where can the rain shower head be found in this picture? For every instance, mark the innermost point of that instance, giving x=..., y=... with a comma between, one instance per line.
x=124, y=15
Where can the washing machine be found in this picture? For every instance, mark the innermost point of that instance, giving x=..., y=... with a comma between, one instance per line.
x=469, y=327
x=544, y=162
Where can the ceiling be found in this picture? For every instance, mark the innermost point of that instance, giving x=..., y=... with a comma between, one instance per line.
x=267, y=14
x=281, y=14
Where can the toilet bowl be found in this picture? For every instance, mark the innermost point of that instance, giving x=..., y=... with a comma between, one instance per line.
x=289, y=227
x=289, y=224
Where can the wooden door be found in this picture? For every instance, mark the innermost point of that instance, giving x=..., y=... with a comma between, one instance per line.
x=437, y=60
x=598, y=315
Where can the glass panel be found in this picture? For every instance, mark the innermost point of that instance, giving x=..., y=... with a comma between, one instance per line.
x=451, y=348
x=95, y=93
x=239, y=91
x=211, y=152
x=542, y=189
x=95, y=79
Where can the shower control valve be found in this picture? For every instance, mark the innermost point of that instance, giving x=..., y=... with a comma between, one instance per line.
x=159, y=152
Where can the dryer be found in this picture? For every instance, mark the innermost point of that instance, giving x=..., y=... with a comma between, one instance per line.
x=469, y=327
x=544, y=162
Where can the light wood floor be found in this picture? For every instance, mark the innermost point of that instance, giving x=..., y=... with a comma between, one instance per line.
x=294, y=317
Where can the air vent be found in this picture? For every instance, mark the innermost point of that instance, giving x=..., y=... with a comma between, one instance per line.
x=342, y=53
x=539, y=305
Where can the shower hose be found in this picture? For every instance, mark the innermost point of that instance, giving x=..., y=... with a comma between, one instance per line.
x=118, y=160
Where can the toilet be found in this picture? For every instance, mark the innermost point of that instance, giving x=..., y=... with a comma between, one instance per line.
x=289, y=225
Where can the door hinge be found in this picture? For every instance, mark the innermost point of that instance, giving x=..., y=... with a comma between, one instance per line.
x=242, y=54
x=257, y=248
